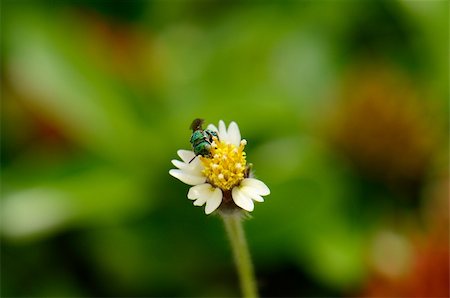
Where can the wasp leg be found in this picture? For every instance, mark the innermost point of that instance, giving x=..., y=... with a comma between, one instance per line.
x=192, y=159
x=211, y=135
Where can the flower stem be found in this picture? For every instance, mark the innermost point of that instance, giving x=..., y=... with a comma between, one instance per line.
x=233, y=226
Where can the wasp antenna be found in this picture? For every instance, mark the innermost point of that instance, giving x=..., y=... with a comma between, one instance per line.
x=197, y=124
x=192, y=159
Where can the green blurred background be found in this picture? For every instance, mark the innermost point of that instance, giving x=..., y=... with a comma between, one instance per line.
x=344, y=105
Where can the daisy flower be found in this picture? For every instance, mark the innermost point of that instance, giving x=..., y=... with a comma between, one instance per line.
x=222, y=179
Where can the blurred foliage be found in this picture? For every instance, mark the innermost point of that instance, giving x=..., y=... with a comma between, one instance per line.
x=344, y=106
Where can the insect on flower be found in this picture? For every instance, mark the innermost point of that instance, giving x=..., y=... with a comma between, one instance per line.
x=221, y=176
x=201, y=140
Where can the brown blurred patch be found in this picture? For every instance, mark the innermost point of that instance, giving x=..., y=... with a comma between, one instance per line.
x=427, y=269
x=429, y=276
x=382, y=125
x=123, y=50
x=25, y=126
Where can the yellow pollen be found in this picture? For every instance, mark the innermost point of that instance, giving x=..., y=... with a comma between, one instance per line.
x=226, y=168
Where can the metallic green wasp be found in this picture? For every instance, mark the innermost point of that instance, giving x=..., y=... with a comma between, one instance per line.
x=201, y=139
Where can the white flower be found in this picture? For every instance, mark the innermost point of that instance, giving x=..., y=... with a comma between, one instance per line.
x=224, y=176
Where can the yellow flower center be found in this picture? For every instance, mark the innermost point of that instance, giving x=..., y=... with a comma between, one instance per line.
x=226, y=166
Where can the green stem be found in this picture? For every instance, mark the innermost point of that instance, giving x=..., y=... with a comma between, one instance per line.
x=233, y=226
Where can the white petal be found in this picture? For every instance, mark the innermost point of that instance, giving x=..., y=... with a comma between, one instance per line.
x=213, y=202
x=212, y=127
x=179, y=164
x=200, y=193
x=234, y=135
x=194, y=168
x=200, y=201
x=187, y=177
x=241, y=199
x=223, y=136
x=249, y=191
x=206, y=193
x=186, y=155
x=258, y=186
x=196, y=162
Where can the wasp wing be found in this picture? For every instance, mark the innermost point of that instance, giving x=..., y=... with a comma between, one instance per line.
x=197, y=124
